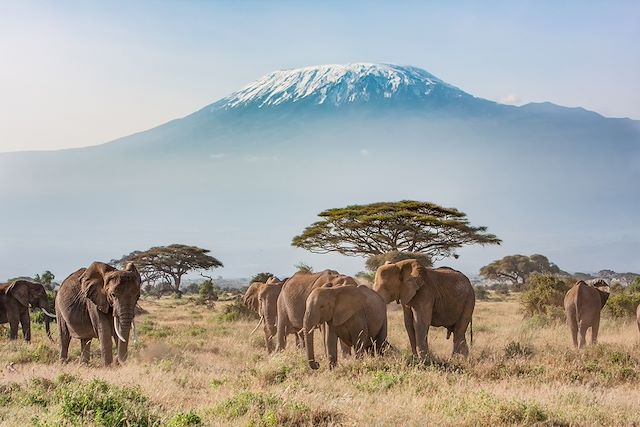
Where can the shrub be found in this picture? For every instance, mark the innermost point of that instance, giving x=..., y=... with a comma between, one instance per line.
x=261, y=277
x=182, y=419
x=515, y=349
x=303, y=268
x=623, y=304
x=206, y=292
x=635, y=286
x=481, y=293
x=103, y=404
x=236, y=310
x=544, y=294
x=268, y=410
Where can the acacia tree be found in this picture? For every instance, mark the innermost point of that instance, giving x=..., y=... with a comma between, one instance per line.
x=406, y=226
x=170, y=263
x=516, y=269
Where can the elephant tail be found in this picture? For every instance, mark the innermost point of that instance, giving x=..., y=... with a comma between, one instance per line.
x=471, y=327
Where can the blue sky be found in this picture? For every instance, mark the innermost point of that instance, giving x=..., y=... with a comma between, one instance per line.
x=83, y=73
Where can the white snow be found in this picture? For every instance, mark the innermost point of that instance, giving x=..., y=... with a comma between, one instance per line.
x=336, y=84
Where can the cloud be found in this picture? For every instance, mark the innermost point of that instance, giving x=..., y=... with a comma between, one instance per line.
x=364, y=152
x=256, y=159
x=217, y=156
x=511, y=98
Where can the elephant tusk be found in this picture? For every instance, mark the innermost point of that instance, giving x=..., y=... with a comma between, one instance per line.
x=258, y=325
x=135, y=332
x=53, y=316
x=115, y=325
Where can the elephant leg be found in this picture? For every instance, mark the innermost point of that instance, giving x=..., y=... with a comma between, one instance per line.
x=345, y=349
x=379, y=342
x=13, y=328
x=459, y=339
x=65, y=339
x=281, y=333
x=268, y=342
x=422, y=323
x=582, y=332
x=25, y=321
x=105, y=335
x=573, y=327
x=594, y=330
x=332, y=346
x=85, y=345
x=408, y=324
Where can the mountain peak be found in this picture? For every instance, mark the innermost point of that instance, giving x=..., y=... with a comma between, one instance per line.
x=340, y=84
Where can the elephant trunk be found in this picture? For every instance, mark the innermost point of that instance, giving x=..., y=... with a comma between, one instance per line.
x=122, y=325
x=48, y=315
x=308, y=327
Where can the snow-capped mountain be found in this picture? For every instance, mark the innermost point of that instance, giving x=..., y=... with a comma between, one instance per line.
x=337, y=85
x=243, y=175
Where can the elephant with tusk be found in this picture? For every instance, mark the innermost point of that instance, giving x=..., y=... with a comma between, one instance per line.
x=263, y=298
x=98, y=302
x=16, y=298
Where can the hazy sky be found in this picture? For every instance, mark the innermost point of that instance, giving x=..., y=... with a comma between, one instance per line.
x=82, y=73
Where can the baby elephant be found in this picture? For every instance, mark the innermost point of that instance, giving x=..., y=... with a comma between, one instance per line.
x=582, y=306
x=355, y=314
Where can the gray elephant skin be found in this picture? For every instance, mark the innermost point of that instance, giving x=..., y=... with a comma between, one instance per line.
x=356, y=315
x=582, y=306
x=98, y=302
x=15, y=299
x=429, y=297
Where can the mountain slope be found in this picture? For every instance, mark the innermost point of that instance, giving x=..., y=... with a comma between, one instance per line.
x=246, y=173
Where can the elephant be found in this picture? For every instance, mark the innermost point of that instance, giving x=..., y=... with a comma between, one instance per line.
x=98, y=302
x=582, y=306
x=293, y=298
x=263, y=298
x=429, y=297
x=356, y=315
x=15, y=299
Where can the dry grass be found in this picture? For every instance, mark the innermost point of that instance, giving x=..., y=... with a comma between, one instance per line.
x=191, y=364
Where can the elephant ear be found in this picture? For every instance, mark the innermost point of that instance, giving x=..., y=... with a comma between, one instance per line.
x=342, y=310
x=603, y=290
x=92, y=284
x=411, y=281
x=19, y=289
x=131, y=268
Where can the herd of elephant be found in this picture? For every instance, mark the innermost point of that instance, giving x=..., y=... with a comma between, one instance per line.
x=99, y=302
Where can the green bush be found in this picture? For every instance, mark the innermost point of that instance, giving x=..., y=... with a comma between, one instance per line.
x=237, y=310
x=481, y=293
x=98, y=402
x=207, y=292
x=268, y=410
x=544, y=294
x=623, y=305
x=184, y=419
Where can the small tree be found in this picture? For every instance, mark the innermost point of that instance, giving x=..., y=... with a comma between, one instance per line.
x=303, y=268
x=173, y=261
x=261, y=277
x=407, y=226
x=45, y=278
x=207, y=291
x=545, y=295
x=516, y=269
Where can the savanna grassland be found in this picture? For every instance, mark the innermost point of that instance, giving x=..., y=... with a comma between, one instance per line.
x=195, y=365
